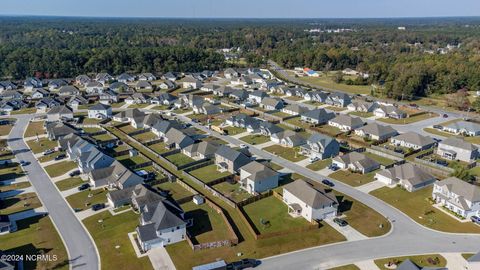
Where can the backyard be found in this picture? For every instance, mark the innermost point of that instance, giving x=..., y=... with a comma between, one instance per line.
x=179, y=159
x=232, y=191
x=382, y=160
x=110, y=234
x=287, y=153
x=208, y=225
x=129, y=161
x=418, y=207
x=19, y=203
x=145, y=137
x=175, y=190
x=208, y=173
x=158, y=148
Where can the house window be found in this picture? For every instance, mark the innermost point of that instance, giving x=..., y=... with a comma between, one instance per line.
x=178, y=227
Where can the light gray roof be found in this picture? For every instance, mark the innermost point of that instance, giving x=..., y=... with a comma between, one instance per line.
x=378, y=130
x=99, y=106
x=357, y=159
x=414, y=138
x=268, y=101
x=231, y=154
x=346, y=120
x=319, y=114
x=60, y=110
x=296, y=108
x=469, y=126
x=461, y=188
x=459, y=143
x=258, y=171
x=407, y=172
x=313, y=197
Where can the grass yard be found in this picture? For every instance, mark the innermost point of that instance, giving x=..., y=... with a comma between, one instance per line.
x=5, y=129
x=208, y=173
x=255, y=139
x=294, y=98
x=327, y=82
x=431, y=260
x=234, y=130
x=335, y=109
x=50, y=157
x=382, y=160
x=175, y=190
x=111, y=233
x=128, y=161
x=36, y=235
x=24, y=111
x=19, y=203
x=117, y=105
x=298, y=122
x=103, y=137
x=160, y=107
x=60, y=168
x=11, y=173
x=438, y=132
x=82, y=201
x=158, y=148
x=287, y=153
x=273, y=211
x=208, y=225
x=179, y=159
x=280, y=114
x=328, y=130
x=138, y=106
x=418, y=207
x=128, y=129
x=408, y=120
x=91, y=121
x=321, y=164
x=145, y=137
x=20, y=185
x=69, y=183
x=232, y=191
x=346, y=267
x=361, y=114
x=41, y=145
x=467, y=256
x=351, y=178
x=91, y=130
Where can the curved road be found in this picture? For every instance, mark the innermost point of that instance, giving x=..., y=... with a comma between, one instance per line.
x=81, y=249
x=406, y=237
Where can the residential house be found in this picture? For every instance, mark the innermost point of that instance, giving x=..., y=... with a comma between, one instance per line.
x=147, y=77
x=160, y=128
x=82, y=79
x=317, y=96
x=143, y=85
x=164, y=99
x=257, y=178
x=309, y=202
x=167, y=85
x=7, y=85
x=191, y=83
x=170, y=77
x=125, y=78
x=294, y=109
x=317, y=116
x=175, y=138
x=320, y=146
x=100, y=111
x=407, y=175
x=390, y=112
x=413, y=140
x=39, y=94
x=271, y=104
x=338, y=99
x=362, y=106
x=103, y=78
x=108, y=97
x=76, y=101
x=68, y=90
x=230, y=73
x=56, y=84
x=228, y=159
x=58, y=113
x=268, y=129
x=31, y=83
x=92, y=160
x=47, y=103
x=290, y=138
x=239, y=94
x=257, y=96
x=244, y=121
x=374, y=131
x=114, y=176
x=346, y=123
x=356, y=162
x=58, y=130
x=463, y=128
x=201, y=150
x=137, y=98
x=206, y=108
x=128, y=115
x=457, y=149
x=458, y=196
x=118, y=87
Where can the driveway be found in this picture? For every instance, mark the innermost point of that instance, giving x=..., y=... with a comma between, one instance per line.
x=264, y=145
x=455, y=261
x=348, y=231
x=80, y=247
x=160, y=259
x=240, y=135
x=369, y=187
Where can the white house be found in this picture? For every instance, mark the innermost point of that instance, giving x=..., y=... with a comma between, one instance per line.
x=406, y=175
x=458, y=196
x=100, y=111
x=457, y=149
x=256, y=178
x=309, y=202
x=413, y=140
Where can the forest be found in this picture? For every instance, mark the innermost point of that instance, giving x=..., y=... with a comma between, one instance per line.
x=406, y=63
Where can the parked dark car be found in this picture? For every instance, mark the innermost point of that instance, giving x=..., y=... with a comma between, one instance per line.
x=74, y=173
x=83, y=187
x=98, y=206
x=61, y=156
x=328, y=183
x=340, y=222
x=24, y=163
x=333, y=167
x=445, y=115
x=475, y=219
x=48, y=152
x=244, y=263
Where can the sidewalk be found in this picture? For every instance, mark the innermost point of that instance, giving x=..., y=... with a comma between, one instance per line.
x=455, y=261
x=239, y=135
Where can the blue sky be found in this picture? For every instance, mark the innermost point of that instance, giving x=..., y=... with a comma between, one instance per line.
x=243, y=8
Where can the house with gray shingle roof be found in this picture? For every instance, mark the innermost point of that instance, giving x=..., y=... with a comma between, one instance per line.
x=374, y=131
x=458, y=196
x=317, y=116
x=294, y=109
x=362, y=106
x=175, y=138
x=356, y=162
x=457, y=149
x=413, y=140
x=59, y=112
x=115, y=176
x=100, y=111
x=201, y=150
x=318, y=96
x=390, y=112
x=320, y=146
x=338, y=99
x=256, y=178
x=309, y=202
x=407, y=175
x=346, y=123
x=228, y=159
x=463, y=128
x=271, y=104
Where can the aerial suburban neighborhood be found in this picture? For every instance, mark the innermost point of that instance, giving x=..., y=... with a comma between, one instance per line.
x=257, y=162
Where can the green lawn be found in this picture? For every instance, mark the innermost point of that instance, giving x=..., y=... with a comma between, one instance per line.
x=20, y=185
x=11, y=173
x=179, y=159
x=234, y=130
x=321, y=164
x=232, y=191
x=69, y=183
x=36, y=235
x=418, y=207
x=91, y=121
x=421, y=260
x=60, y=168
x=287, y=153
x=25, y=111
x=175, y=190
x=327, y=82
x=351, y=178
x=103, y=137
x=19, y=203
x=160, y=108
x=255, y=139
x=294, y=98
x=298, y=122
x=408, y=120
x=361, y=114
x=82, y=201
x=91, y=130
x=159, y=148
x=335, y=108
x=128, y=129
x=438, y=132
x=111, y=238
x=280, y=114
x=208, y=225
x=208, y=173
x=273, y=211
x=138, y=106
x=129, y=161
x=41, y=145
x=328, y=130
x=145, y=137
x=117, y=105
x=382, y=160
x=5, y=129
x=50, y=157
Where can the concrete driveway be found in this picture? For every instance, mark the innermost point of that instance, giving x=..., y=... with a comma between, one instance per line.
x=369, y=187
x=160, y=259
x=348, y=231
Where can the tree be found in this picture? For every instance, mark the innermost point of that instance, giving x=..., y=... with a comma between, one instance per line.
x=459, y=100
x=476, y=104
